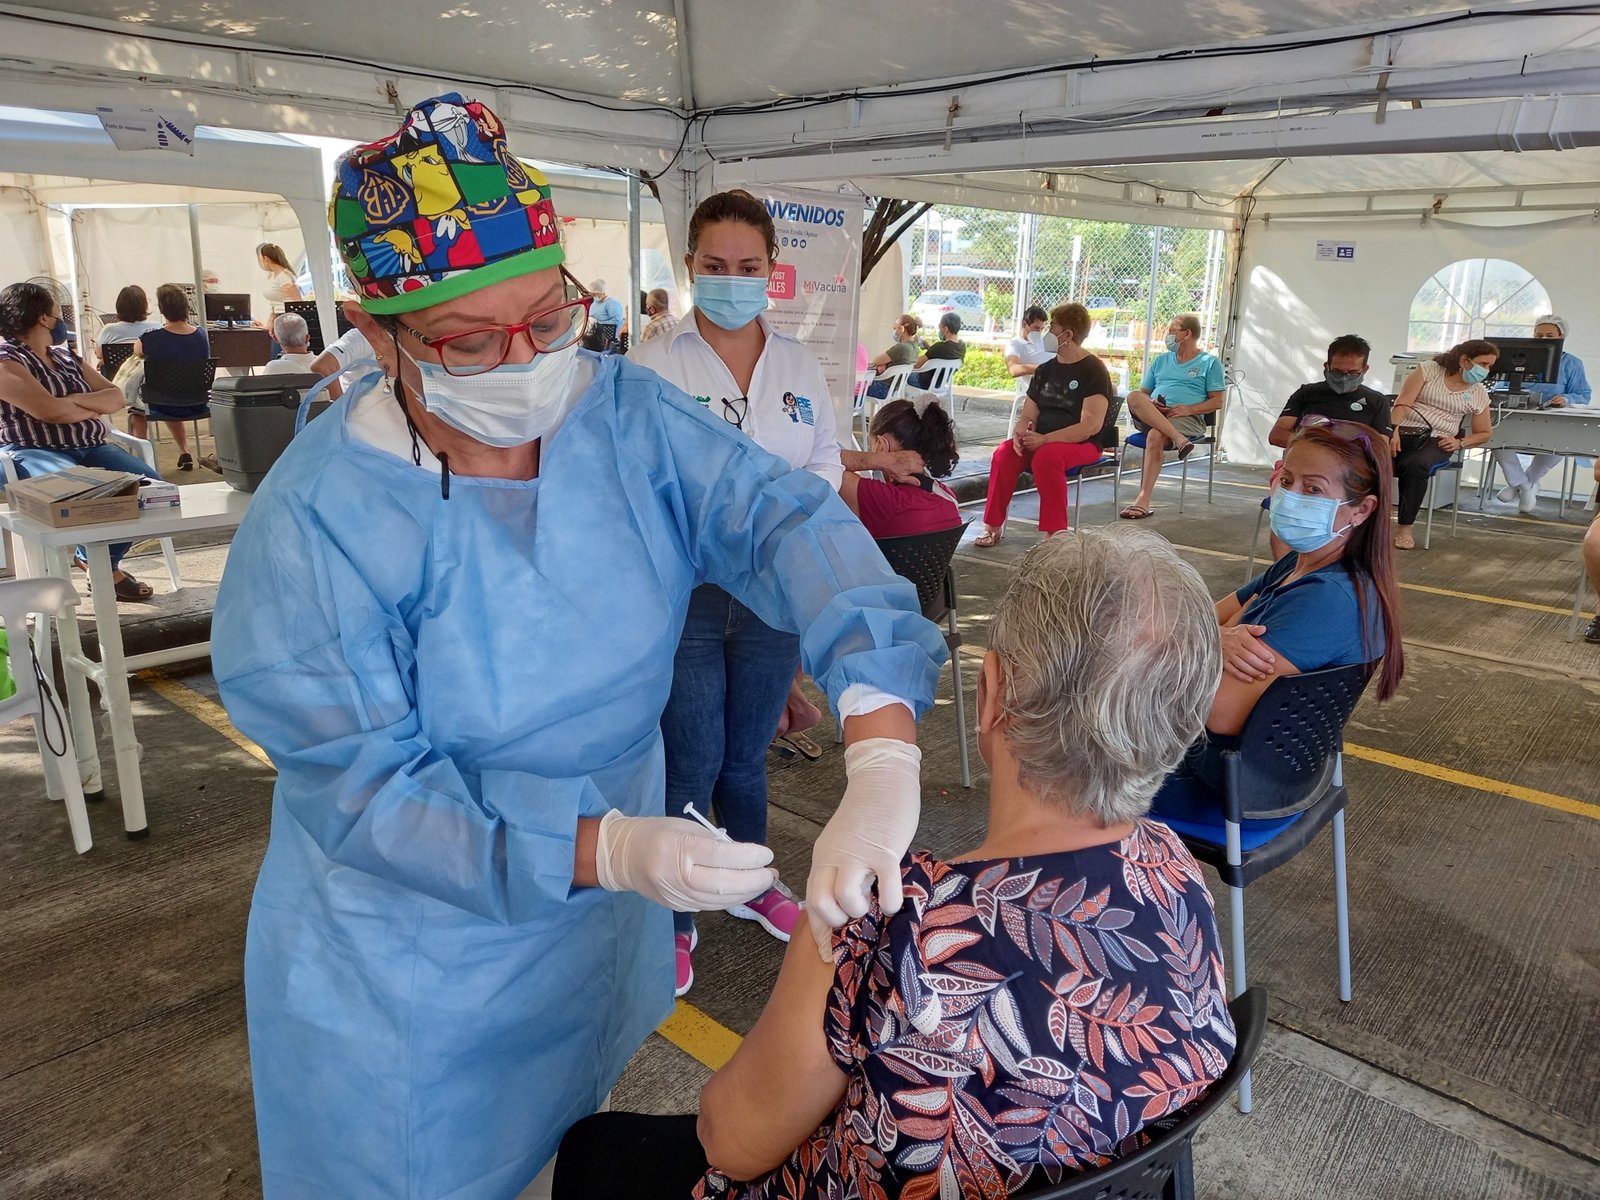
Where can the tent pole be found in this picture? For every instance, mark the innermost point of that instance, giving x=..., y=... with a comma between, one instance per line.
x=1150, y=304
x=199, y=270
x=313, y=218
x=635, y=274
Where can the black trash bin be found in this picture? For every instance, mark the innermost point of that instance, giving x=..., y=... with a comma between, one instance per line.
x=252, y=419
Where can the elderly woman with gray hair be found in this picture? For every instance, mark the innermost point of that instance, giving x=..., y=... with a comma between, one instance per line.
x=1043, y=996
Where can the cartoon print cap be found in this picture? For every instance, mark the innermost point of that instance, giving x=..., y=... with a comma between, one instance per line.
x=439, y=209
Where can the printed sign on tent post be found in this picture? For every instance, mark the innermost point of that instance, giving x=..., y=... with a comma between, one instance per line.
x=816, y=285
x=147, y=128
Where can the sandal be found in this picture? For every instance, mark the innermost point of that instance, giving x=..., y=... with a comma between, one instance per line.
x=1185, y=450
x=1410, y=544
x=129, y=588
x=1134, y=513
x=801, y=745
x=989, y=537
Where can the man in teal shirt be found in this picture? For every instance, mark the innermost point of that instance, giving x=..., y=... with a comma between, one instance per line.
x=1181, y=387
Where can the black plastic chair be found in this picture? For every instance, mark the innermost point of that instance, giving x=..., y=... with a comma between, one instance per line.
x=925, y=559
x=1287, y=774
x=112, y=356
x=179, y=391
x=1164, y=1168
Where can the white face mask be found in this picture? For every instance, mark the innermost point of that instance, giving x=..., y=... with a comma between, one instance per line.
x=512, y=405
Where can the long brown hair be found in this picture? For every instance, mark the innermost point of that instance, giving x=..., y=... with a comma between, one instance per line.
x=274, y=254
x=737, y=205
x=1367, y=471
x=1450, y=360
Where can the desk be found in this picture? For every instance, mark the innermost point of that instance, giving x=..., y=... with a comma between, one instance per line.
x=1568, y=431
x=240, y=347
x=203, y=506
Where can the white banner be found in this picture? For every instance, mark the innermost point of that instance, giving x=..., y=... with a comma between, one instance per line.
x=147, y=128
x=816, y=285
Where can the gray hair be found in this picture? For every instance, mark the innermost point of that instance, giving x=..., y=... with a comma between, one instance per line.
x=659, y=298
x=1112, y=658
x=1551, y=319
x=292, y=331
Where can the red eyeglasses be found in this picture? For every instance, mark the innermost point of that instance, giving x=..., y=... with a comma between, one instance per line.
x=474, y=351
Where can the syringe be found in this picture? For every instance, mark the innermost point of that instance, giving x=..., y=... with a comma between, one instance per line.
x=721, y=834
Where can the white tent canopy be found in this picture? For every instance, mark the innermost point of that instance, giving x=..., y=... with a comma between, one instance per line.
x=1439, y=135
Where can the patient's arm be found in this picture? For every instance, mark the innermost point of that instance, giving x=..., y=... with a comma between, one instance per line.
x=1235, y=699
x=781, y=1083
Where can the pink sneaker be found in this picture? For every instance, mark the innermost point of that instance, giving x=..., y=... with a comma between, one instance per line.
x=774, y=909
x=683, y=945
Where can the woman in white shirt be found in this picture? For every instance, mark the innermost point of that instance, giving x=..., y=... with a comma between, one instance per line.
x=280, y=287
x=732, y=672
x=1434, y=404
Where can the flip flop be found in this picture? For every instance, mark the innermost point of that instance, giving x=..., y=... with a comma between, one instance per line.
x=803, y=745
x=1134, y=513
x=1398, y=545
x=989, y=537
x=1188, y=449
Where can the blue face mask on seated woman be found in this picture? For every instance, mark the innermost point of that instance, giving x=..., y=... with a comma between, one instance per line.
x=1304, y=523
x=1476, y=373
x=730, y=301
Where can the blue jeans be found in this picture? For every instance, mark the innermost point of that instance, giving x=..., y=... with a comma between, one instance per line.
x=32, y=460
x=730, y=681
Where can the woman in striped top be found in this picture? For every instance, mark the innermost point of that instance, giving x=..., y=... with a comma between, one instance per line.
x=1430, y=416
x=53, y=404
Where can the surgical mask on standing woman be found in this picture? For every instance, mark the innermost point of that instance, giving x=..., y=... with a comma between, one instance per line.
x=512, y=405
x=1304, y=523
x=730, y=301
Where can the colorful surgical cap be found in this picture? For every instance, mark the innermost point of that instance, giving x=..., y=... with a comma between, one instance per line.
x=439, y=209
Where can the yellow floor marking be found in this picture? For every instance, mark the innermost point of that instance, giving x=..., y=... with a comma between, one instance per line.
x=203, y=709
x=1481, y=783
x=698, y=1036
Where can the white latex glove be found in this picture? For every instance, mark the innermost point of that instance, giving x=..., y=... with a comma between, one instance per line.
x=866, y=838
x=675, y=862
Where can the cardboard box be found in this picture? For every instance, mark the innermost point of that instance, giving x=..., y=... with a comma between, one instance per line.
x=56, y=499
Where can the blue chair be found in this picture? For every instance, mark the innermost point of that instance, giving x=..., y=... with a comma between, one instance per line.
x=1255, y=538
x=1211, y=439
x=1285, y=777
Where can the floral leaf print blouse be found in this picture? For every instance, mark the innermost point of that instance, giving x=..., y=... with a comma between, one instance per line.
x=1019, y=1020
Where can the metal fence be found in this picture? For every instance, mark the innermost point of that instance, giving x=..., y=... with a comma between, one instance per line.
x=1133, y=278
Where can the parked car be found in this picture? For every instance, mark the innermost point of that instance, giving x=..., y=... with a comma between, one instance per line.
x=1094, y=302
x=930, y=306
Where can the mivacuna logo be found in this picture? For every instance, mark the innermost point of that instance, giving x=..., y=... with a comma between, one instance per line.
x=809, y=214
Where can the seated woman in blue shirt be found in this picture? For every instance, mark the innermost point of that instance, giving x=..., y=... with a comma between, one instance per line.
x=1332, y=601
x=175, y=341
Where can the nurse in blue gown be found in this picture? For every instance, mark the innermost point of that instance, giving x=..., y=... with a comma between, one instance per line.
x=449, y=619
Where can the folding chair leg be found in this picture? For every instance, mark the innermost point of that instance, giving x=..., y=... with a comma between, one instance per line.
x=171, y=555
x=1255, y=540
x=961, y=714
x=1577, y=600
x=1236, y=939
x=1183, y=484
x=1180, y=1184
x=1211, y=473
x=1427, y=501
x=1341, y=894
x=1455, y=505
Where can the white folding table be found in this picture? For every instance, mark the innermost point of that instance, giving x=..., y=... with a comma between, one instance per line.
x=202, y=506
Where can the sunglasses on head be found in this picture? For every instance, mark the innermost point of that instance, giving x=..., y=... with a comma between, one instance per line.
x=1349, y=431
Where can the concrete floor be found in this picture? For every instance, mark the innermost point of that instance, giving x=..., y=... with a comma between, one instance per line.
x=1467, y=1065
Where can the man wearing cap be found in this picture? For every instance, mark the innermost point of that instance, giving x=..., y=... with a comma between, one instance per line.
x=449, y=619
x=607, y=309
x=1571, y=386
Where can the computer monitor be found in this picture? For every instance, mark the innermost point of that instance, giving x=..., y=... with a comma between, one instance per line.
x=228, y=306
x=1527, y=360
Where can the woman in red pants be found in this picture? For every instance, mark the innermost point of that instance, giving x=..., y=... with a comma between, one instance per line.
x=1064, y=424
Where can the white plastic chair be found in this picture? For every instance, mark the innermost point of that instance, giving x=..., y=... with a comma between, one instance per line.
x=51, y=597
x=858, y=407
x=895, y=377
x=136, y=446
x=939, y=376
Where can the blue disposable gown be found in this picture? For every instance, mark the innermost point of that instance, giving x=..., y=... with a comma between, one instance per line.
x=445, y=687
